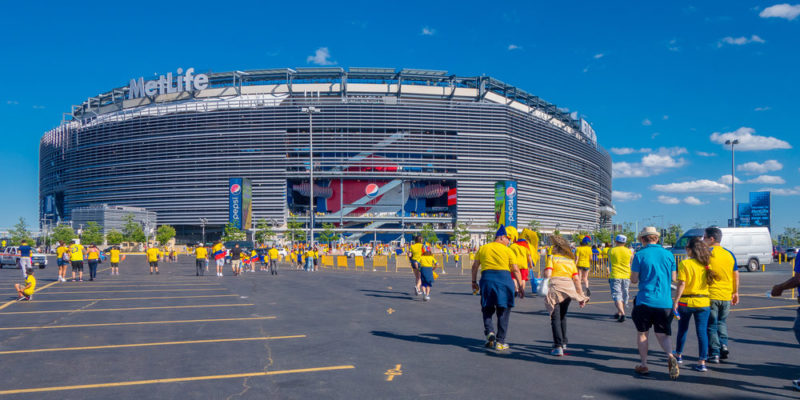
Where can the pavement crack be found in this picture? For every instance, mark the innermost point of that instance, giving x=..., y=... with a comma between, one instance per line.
x=267, y=365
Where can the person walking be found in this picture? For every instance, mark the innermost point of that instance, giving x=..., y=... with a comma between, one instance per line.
x=724, y=293
x=427, y=268
x=61, y=262
x=273, y=255
x=497, y=287
x=619, y=275
x=93, y=256
x=564, y=285
x=152, y=259
x=236, y=260
x=218, y=251
x=76, y=259
x=522, y=253
x=583, y=258
x=691, y=299
x=200, y=259
x=777, y=290
x=653, y=269
x=415, y=252
x=24, y=253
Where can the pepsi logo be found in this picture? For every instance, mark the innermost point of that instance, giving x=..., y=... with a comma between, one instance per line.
x=510, y=191
x=236, y=188
x=371, y=190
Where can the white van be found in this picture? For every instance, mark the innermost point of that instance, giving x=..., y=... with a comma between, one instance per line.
x=751, y=246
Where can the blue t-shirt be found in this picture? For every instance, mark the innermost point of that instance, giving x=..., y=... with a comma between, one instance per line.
x=25, y=251
x=655, y=267
x=797, y=265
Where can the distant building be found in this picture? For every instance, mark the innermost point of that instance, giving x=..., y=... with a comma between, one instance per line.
x=112, y=217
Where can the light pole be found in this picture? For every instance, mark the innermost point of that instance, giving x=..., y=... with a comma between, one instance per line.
x=203, y=222
x=310, y=111
x=733, y=182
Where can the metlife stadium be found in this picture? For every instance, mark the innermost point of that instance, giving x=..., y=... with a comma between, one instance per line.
x=392, y=150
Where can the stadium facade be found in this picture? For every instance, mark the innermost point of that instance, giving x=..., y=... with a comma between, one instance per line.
x=392, y=150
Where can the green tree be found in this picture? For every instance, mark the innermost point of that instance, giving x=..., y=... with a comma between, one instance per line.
x=328, y=235
x=534, y=225
x=428, y=234
x=20, y=232
x=233, y=234
x=295, y=231
x=628, y=231
x=132, y=230
x=603, y=236
x=460, y=233
x=164, y=233
x=264, y=231
x=791, y=236
x=491, y=229
x=114, y=237
x=92, y=233
x=63, y=233
x=672, y=235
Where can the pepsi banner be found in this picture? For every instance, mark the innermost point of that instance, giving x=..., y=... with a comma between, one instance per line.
x=235, y=202
x=510, y=209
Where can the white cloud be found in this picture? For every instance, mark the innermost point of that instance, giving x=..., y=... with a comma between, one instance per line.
x=651, y=164
x=748, y=141
x=647, y=122
x=671, y=151
x=705, y=154
x=666, y=117
x=621, y=151
x=668, y=200
x=427, y=31
x=740, y=41
x=693, y=201
x=662, y=161
x=672, y=45
x=618, y=195
x=321, y=57
x=12, y=102
x=753, y=167
x=768, y=180
x=38, y=107
x=698, y=186
x=726, y=180
x=513, y=47
x=655, y=135
x=795, y=191
x=785, y=11
x=598, y=56
x=762, y=108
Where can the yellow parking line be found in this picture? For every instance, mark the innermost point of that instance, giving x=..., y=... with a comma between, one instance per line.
x=184, y=321
x=139, y=298
x=119, y=346
x=764, y=308
x=132, y=291
x=8, y=303
x=173, y=380
x=83, y=286
x=124, y=309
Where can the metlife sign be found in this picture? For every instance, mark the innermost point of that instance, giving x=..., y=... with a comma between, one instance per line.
x=165, y=84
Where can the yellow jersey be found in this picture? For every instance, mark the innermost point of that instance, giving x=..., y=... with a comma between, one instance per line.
x=520, y=255
x=29, y=280
x=604, y=252
x=273, y=254
x=152, y=254
x=200, y=253
x=416, y=251
x=723, y=263
x=60, y=250
x=584, y=254
x=561, y=266
x=496, y=256
x=427, y=261
x=619, y=258
x=114, y=256
x=693, y=274
x=75, y=252
x=93, y=254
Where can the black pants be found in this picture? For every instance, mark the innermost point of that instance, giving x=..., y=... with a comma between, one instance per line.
x=273, y=267
x=200, y=264
x=92, y=269
x=502, y=321
x=558, y=321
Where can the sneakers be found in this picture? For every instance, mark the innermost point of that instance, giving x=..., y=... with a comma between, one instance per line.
x=700, y=368
x=714, y=359
x=723, y=352
x=796, y=384
x=490, y=340
x=23, y=298
x=641, y=370
x=674, y=370
x=426, y=298
x=679, y=358
x=500, y=346
x=557, y=351
x=621, y=318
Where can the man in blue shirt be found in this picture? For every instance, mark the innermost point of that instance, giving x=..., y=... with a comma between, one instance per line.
x=24, y=257
x=653, y=268
x=778, y=289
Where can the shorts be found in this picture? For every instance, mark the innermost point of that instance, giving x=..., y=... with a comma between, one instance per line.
x=619, y=289
x=77, y=265
x=236, y=263
x=28, y=292
x=115, y=265
x=524, y=274
x=426, y=276
x=60, y=262
x=153, y=264
x=584, y=268
x=220, y=262
x=414, y=264
x=645, y=317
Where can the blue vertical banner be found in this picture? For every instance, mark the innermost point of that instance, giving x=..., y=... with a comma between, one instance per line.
x=760, y=210
x=511, y=203
x=235, y=199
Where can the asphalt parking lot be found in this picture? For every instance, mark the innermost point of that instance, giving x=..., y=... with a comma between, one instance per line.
x=345, y=334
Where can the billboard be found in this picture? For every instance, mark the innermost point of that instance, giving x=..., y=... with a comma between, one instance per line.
x=743, y=214
x=247, y=203
x=760, y=211
x=505, y=203
x=240, y=202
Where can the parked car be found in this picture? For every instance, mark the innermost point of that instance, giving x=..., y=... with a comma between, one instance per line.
x=10, y=256
x=359, y=251
x=791, y=253
x=751, y=246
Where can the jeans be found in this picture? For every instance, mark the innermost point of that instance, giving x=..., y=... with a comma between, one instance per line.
x=558, y=322
x=309, y=264
x=718, y=325
x=273, y=266
x=92, y=269
x=199, y=264
x=502, y=321
x=700, y=326
x=24, y=264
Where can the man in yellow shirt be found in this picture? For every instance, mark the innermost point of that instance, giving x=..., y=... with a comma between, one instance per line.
x=619, y=275
x=415, y=252
x=200, y=259
x=76, y=258
x=61, y=262
x=152, y=258
x=522, y=253
x=583, y=259
x=498, y=265
x=26, y=292
x=273, y=255
x=114, y=257
x=724, y=293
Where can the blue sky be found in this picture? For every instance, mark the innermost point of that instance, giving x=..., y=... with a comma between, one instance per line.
x=662, y=83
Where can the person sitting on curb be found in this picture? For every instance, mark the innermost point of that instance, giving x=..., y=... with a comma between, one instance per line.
x=26, y=292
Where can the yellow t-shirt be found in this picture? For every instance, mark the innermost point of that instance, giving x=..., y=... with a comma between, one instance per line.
x=114, y=256
x=93, y=254
x=416, y=251
x=200, y=252
x=619, y=258
x=216, y=248
x=584, y=254
x=520, y=255
x=693, y=274
x=75, y=252
x=309, y=254
x=274, y=254
x=427, y=261
x=723, y=263
x=496, y=256
x=152, y=254
x=562, y=267
x=60, y=251
x=604, y=252
x=29, y=280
